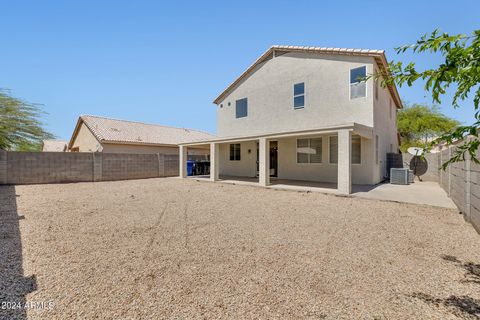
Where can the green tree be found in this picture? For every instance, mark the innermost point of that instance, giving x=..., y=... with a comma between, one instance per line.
x=459, y=70
x=20, y=125
x=419, y=124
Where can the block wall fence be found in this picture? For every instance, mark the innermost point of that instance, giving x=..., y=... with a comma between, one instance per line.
x=62, y=167
x=461, y=181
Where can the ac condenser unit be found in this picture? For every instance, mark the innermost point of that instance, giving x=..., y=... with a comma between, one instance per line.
x=399, y=175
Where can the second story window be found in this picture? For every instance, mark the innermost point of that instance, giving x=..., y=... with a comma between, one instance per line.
x=241, y=108
x=299, y=95
x=358, y=86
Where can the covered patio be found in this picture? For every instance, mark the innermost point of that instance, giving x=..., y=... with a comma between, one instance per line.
x=249, y=159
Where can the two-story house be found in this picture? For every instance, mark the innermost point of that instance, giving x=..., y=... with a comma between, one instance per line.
x=306, y=113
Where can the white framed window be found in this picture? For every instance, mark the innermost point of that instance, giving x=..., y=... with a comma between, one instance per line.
x=333, y=149
x=358, y=86
x=235, y=152
x=299, y=95
x=356, y=157
x=356, y=149
x=309, y=150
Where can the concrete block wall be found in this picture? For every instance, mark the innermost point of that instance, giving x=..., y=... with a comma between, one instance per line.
x=119, y=166
x=48, y=167
x=3, y=167
x=60, y=167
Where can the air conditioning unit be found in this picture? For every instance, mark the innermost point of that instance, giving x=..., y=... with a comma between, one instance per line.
x=411, y=177
x=399, y=175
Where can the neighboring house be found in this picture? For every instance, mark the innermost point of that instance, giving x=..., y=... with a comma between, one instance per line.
x=98, y=134
x=304, y=113
x=54, y=146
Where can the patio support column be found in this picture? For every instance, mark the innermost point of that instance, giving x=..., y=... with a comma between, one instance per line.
x=183, y=162
x=344, y=161
x=264, y=162
x=214, y=159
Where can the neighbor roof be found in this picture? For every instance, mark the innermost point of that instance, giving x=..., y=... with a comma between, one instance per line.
x=378, y=55
x=130, y=132
x=54, y=145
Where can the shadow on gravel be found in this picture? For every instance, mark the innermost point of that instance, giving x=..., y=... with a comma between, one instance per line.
x=13, y=285
x=463, y=307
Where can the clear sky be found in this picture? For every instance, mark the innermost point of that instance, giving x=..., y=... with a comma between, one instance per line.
x=165, y=62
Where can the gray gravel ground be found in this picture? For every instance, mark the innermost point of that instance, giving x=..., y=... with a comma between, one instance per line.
x=178, y=249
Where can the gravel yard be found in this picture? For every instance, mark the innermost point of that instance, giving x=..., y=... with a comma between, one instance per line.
x=178, y=249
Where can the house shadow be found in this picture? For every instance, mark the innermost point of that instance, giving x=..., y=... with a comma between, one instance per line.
x=464, y=307
x=13, y=285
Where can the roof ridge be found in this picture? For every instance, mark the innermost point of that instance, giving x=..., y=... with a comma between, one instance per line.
x=277, y=46
x=144, y=123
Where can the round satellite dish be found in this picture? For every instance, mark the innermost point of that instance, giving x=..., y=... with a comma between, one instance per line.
x=415, y=151
x=418, y=165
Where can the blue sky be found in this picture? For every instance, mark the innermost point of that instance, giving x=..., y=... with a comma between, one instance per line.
x=165, y=62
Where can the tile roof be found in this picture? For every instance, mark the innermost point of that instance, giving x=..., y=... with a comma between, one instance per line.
x=379, y=56
x=130, y=132
x=54, y=145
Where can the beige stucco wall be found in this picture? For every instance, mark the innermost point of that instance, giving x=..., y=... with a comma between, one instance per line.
x=269, y=90
x=86, y=141
x=122, y=148
x=247, y=165
x=142, y=149
x=287, y=162
x=385, y=126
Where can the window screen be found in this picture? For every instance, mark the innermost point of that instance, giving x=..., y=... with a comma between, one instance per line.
x=309, y=150
x=241, y=108
x=302, y=150
x=299, y=95
x=358, y=86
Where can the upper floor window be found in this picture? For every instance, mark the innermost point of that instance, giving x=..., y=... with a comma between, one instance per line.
x=241, y=108
x=309, y=150
x=235, y=152
x=358, y=86
x=299, y=95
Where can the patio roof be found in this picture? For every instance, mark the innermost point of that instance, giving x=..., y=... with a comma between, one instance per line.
x=362, y=130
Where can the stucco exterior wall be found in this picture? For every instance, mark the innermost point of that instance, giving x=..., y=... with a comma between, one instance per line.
x=85, y=141
x=269, y=90
x=385, y=126
x=123, y=148
x=245, y=167
x=288, y=168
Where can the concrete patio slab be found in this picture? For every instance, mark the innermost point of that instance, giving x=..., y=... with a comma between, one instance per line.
x=425, y=193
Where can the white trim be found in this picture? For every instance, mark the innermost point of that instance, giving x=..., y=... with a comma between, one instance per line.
x=240, y=152
x=304, y=94
x=361, y=148
x=329, y=162
x=308, y=163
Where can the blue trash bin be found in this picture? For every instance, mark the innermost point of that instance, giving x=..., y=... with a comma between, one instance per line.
x=190, y=164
